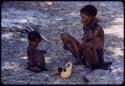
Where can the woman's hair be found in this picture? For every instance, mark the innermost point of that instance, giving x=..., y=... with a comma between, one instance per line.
x=89, y=10
x=34, y=36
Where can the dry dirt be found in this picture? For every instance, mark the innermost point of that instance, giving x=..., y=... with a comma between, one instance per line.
x=51, y=19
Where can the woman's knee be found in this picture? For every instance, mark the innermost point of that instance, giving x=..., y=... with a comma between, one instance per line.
x=64, y=36
x=69, y=46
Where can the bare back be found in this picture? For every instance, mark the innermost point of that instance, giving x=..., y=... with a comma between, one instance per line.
x=95, y=36
x=98, y=41
x=35, y=56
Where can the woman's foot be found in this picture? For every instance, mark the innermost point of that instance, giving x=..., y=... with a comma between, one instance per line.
x=77, y=62
x=107, y=63
x=83, y=61
x=66, y=48
x=103, y=66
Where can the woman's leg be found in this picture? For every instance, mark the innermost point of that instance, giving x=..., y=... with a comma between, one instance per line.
x=90, y=55
x=71, y=44
x=100, y=56
x=102, y=64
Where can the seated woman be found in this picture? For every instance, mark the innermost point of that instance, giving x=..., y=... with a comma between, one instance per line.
x=90, y=50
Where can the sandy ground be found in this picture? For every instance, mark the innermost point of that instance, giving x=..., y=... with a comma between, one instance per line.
x=51, y=19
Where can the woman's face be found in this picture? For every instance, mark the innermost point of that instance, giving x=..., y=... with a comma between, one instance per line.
x=85, y=19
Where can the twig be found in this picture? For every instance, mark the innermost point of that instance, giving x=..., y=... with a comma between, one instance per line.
x=55, y=73
x=17, y=81
x=17, y=30
x=15, y=75
x=47, y=40
x=29, y=29
x=83, y=77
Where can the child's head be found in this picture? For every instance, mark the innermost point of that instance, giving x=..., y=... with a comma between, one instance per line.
x=34, y=38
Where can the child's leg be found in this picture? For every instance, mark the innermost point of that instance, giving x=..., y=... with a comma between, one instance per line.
x=39, y=57
x=41, y=62
x=43, y=67
x=34, y=68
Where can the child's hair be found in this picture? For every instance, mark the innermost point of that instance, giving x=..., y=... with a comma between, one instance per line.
x=34, y=36
x=89, y=10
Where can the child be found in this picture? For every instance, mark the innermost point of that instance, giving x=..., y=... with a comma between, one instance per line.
x=36, y=61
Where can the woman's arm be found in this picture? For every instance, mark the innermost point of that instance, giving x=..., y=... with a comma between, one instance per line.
x=92, y=35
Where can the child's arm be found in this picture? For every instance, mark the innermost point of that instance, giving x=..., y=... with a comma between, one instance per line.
x=43, y=51
x=31, y=56
x=39, y=57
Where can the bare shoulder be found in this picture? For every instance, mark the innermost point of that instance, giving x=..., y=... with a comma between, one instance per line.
x=30, y=49
x=99, y=28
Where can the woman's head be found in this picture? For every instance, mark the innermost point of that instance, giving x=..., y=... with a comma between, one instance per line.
x=87, y=13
